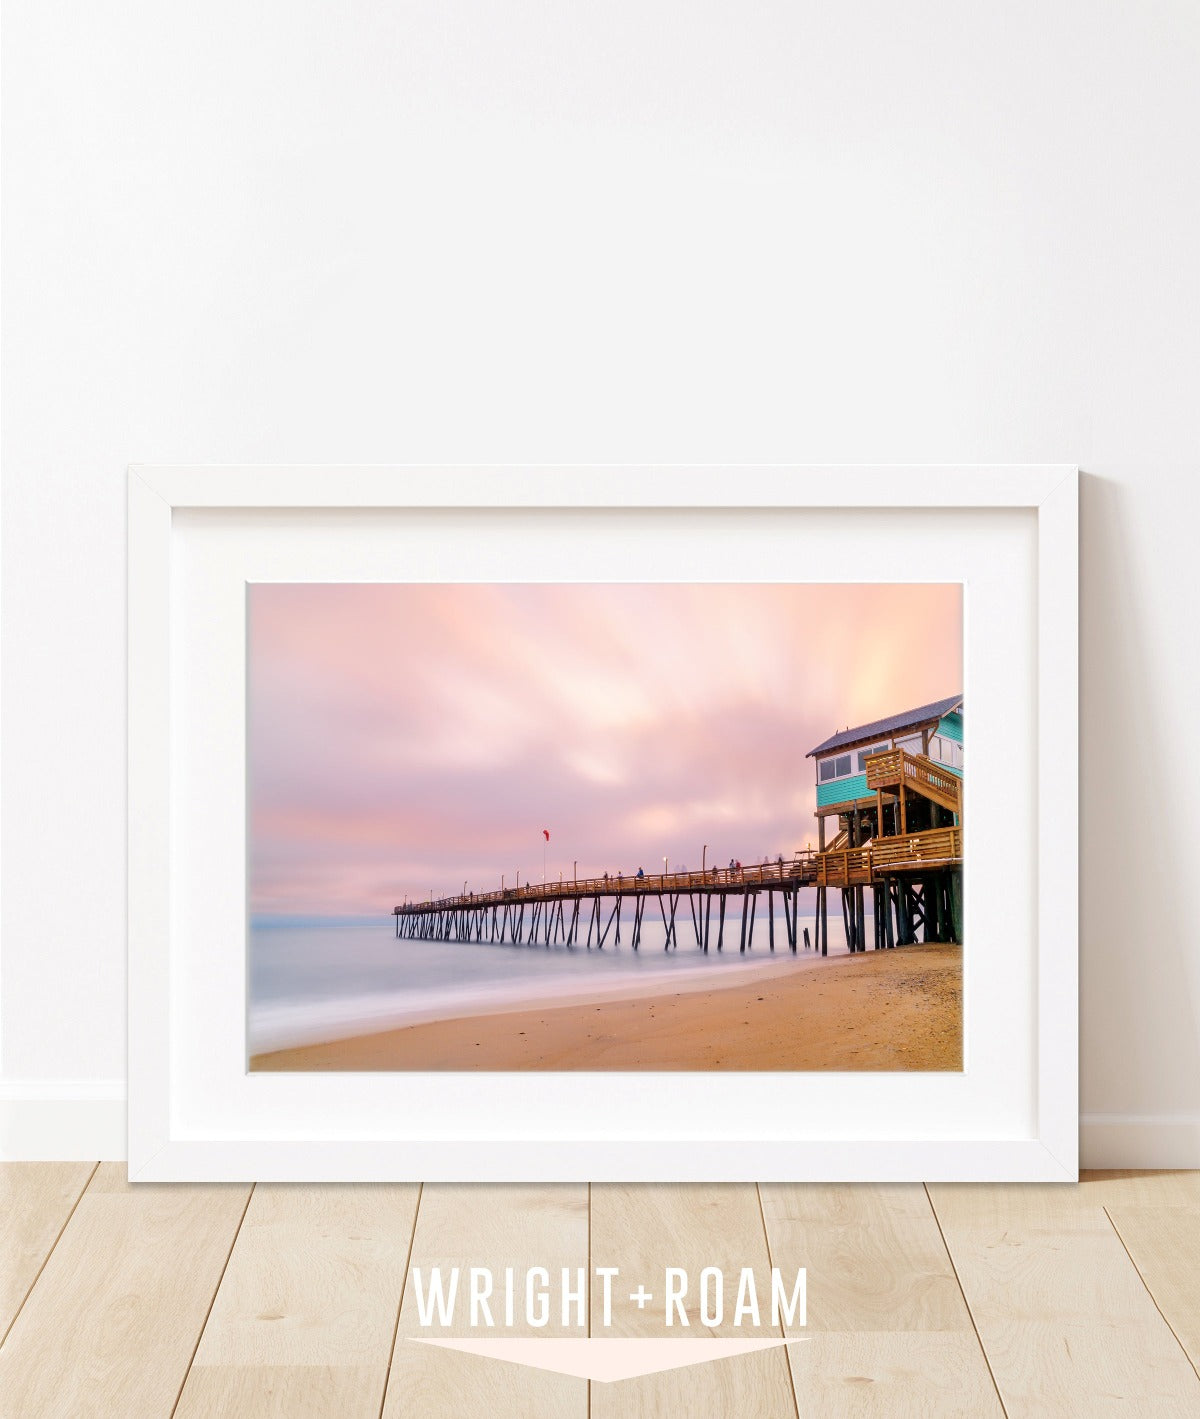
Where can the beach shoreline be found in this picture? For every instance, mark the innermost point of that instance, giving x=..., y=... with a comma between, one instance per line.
x=878, y=1010
x=698, y=975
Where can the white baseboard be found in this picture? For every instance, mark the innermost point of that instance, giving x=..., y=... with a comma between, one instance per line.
x=1139, y=1141
x=84, y=1119
x=56, y=1120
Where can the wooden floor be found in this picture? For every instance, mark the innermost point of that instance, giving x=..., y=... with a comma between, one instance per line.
x=292, y=1300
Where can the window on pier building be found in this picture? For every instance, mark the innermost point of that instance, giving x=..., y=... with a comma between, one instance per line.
x=913, y=743
x=839, y=767
x=865, y=754
x=946, y=751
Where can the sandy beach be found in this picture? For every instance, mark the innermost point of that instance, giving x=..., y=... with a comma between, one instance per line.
x=882, y=1010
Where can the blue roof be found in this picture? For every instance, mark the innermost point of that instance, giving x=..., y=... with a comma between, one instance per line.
x=892, y=725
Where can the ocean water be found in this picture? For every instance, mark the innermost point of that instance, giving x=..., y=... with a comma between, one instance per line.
x=317, y=980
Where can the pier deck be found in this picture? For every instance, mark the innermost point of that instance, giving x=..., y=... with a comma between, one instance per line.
x=554, y=912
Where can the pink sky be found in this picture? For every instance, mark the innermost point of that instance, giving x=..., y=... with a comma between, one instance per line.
x=405, y=739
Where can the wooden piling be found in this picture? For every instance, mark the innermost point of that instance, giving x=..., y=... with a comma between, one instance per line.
x=823, y=894
x=956, y=903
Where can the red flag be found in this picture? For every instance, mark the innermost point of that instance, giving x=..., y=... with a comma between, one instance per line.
x=546, y=834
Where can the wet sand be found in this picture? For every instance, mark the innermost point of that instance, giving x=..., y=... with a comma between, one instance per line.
x=882, y=1010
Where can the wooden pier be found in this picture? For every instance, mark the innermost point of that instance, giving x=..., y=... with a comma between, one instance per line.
x=915, y=878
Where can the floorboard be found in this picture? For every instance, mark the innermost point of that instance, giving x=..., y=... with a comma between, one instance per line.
x=642, y=1229
x=888, y=1332
x=473, y=1225
x=1065, y=1319
x=281, y=1392
x=36, y=1199
x=303, y=1322
x=1164, y=1244
x=1137, y=1189
x=112, y=1323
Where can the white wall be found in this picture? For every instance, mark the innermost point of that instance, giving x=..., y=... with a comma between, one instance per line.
x=619, y=231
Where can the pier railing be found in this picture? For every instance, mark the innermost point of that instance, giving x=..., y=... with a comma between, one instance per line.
x=799, y=869
x=887, y=857
x=918, y=772
x=839, y=867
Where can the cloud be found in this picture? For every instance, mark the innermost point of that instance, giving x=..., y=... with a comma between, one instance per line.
x=405, y=738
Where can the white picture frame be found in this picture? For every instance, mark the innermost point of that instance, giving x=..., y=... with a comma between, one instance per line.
x=195, y=1115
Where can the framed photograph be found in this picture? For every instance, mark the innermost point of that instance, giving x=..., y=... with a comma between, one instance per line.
x=609, y=823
